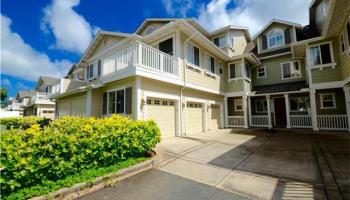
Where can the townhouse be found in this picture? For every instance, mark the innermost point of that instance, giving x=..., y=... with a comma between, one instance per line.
x=190, y=80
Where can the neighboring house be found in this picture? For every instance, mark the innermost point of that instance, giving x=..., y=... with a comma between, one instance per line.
x=39, y=103
x=190, y=80
x=14, y=105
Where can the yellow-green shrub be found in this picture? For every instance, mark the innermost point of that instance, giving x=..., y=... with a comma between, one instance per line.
x=23, y=122
x=69, y=145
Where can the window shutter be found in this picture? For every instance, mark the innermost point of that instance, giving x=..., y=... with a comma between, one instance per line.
x=325, y=54
x=287, y=36
x=99, y=68
x=104, y=104
x=232, y=71
x=264, y=42
x=196, y=55
x=128, y=100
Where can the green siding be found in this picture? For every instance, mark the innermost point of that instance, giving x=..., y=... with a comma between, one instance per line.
x=340, y=102
x=234, y=86
x=274, y=73
x=231, y=107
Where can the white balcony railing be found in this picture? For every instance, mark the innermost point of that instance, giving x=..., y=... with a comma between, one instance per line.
x=39, y=97
x=333, y=122
x=137, y=54
x=260, y=120
x=300, y=121
x=65, y=85
x=235, y=121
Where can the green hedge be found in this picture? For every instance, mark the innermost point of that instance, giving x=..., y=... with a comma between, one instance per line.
x=23, y=122
x=70, y=145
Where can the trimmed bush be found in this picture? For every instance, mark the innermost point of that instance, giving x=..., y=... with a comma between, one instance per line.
x=70, y=145
x=23, y=122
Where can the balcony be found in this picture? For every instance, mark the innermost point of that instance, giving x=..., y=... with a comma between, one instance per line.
x=66, y=85
x=40, y=98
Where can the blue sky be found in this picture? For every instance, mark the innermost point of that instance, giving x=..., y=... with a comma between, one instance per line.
x=45, y=37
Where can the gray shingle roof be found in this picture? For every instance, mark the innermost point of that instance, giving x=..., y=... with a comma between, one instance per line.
x=48, y=80
x=26, y=93
x=265, y=89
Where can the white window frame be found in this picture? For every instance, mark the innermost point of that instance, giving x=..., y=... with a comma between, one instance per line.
x=291, y=64
x=268, y=38
x=333, y=100
x=89, y=77
x=206, y=64
x=199, y=56
x=290, y=105
x=256, y=106
x=229, y=71
x=257, y=72
x=115, y=90
x=224, y=39
x=342, y=37
x=236, y=103
x=319, y=49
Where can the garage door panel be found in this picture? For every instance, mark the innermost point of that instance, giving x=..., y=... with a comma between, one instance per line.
x=64, y=108
x=78, y=106
x=215, y=117
x=194, y=118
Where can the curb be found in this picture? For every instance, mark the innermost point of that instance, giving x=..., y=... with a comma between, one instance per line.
x=81, y=189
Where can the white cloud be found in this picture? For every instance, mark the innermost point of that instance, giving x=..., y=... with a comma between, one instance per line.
x=254, y=14
x=178, y=8
x=21, y=60
x=72, y=32
x=5, y=82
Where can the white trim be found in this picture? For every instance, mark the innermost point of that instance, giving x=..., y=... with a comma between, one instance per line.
x=268, y=38
x=327, y=85
x=333, y=101
x=276, y=55
x=229, y=71
x=205, y=63
x=330, y=43
x=123, y=88
x=236, y=103
x=257, y=72
x=225, y=36
x=138, y=92
x=275, y=21
x=199, y=54
x=292, y=69
x=234, y=94
x=148, y=93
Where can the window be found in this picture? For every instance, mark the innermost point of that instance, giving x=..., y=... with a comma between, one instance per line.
x=111, y=102
x=238, y=105
x=149, y=101
x=328, y=101
x=116, y=102
x=321, y=54
x=342, y=43
x=348, y=31
x=156, y=102
x=299, y=104
x=171, y=103
x=210, y=64
x=167, y=46
x=261, y=105
x=235, y=70
x=90, y=72
x=221, y=68
x=291, y=70
x=220, y=41
x=261, y=72
x=192, y=54
x=120, y=101
x=165, y=103
x=275, y=38
x=99, y=65
x=232, y=42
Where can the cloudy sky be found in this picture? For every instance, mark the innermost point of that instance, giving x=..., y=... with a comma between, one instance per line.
x=45, y=37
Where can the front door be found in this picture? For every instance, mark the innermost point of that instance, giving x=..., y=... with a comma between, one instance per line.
x=280, y=112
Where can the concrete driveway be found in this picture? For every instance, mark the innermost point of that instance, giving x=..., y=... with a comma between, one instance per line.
x=244, y=164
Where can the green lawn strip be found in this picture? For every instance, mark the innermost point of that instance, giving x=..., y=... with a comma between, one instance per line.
x=84, y=176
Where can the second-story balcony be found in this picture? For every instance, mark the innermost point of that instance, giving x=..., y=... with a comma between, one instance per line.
x=66, y=85
x=40, y=98
x=135, y=54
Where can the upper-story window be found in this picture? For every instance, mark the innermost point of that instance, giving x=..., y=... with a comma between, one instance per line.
x=321, y=54
x=235, y=70
x=291, y=70
x=99, y=67
x=90, y=71
x=210, y=63
x=275, y=38
x=220, y=41
x=261, y=72
x=221, y=68
x=192, y=54
x=348, y=31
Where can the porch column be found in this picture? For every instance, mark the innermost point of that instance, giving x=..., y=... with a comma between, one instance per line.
x=269, y=111
x=286, y=99
x=88, y=102
x=249, y=110
x=138, y=98
x=244, y=104
x=313, y=109
x=226, y=113
x=347, y=103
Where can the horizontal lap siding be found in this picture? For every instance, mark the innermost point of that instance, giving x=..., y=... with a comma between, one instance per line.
x=326, y=75
x=340, y=102
x=201, y=79
x=234, y=86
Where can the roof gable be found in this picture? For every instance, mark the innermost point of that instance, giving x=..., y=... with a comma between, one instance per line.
x=273, y=22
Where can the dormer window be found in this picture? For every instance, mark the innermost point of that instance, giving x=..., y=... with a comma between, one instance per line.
x=275, y=38
x=220, y=41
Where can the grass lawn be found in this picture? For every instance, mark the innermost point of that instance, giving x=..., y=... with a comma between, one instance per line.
x=84, y=176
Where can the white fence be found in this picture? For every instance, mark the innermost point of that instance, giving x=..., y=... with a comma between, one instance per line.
x=235, y=121
x=260, y=120
x=300, y=121
x=138, y=54
x=332, y=122
x=5, y=114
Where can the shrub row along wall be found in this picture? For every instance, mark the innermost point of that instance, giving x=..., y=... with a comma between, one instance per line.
x=23, y=122
x=69, y=145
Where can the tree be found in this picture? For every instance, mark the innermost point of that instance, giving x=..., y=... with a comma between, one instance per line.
x=3, y=93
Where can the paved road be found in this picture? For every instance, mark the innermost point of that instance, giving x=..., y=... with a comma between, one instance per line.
x=242, y=164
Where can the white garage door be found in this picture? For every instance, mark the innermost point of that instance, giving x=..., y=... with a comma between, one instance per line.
x=215, y=116
x=64, y=108
x=78, y=106
x=162, y=111
x=194, y=118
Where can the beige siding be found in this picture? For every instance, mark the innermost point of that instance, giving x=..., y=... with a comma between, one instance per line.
x=78, y=106
x=344, y=58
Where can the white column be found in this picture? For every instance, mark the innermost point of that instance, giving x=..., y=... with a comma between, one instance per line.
x=178, y=117
x=89, y=102
x=269, y=110
x=245, y=111
x=225, y=113
x=138, y=107
x=286, y=99
x=347, y=103
x=313, y=110
x=249, y=110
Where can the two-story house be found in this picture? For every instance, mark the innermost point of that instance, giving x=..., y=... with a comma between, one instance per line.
x=39, y=103
x=190, y=80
